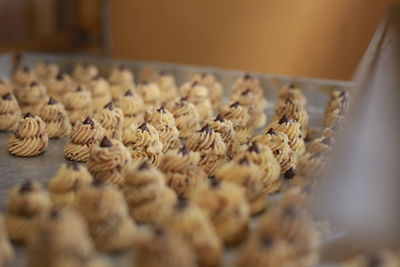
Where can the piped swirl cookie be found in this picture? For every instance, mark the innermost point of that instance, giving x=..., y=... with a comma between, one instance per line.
x=132, y=106
x=292, y=93
x=164, y=122
x=46, y=71
x=181, y=170
x=56, y=118
x=146, y=192
x=240, y=117
x=121, y=79
x=30, y=138
x=293, y=131
x=10, y=113
x=85, y=134
x=226, y=130
x=60, y=236
x=84, y=72
x=309, y=166
x=226, y=205
x=245, y=82
x=59, y=86
x=215, y=90
x=23, y=76
x=167, y=85
x=5, y=87
x=107, y=161
x=294, y=111
x=186, y=117
x=69, y=178
x=248, y=175
x=100, y=92
x=211, y=147
x=150, y=93
x=112, y=120
x=160, y=247
x=262, y=156
x=193, y=224
x=78, y=104
x=104, y=209
x=143, y=143
x=31, y=97
x=25, y=202
x=198, y=95
x=279, y=144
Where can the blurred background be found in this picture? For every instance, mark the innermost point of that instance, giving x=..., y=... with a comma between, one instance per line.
x=310, y=38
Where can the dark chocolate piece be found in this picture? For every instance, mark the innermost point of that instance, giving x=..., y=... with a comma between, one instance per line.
x=144, y=166
x=215, y=183
x=105, y=142
x=128, y=93
x=289, y=174
x=144, y=127
x=272, y=132
x=7, y=96
x=254, y=148
x=219, y=118
x=161, y=109
x=244, y=161
x=33, y=84
x=283, y=120
x=28, y=115
x=206, y=128
x=52, y=101
x=88, y=121
x=182, y=203
x=73, y=165
x=109, y=106
x=26, y=187
x=235, y=105
x=184, y=150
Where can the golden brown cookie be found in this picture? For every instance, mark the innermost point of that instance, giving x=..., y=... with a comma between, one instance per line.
x=100, y=91
x=245, y=82
x=78, y=104
x=193, y=224
x=292, y=93
x=322, y=145
x=30, y=138
x=197, y=94
x=31, y=97
x=143, y=143
x=159, y=247
x=186, y=117
x=279, y=144
x=85, y=134
x=146, y=192
x=226, y=130
x=68, y=180
x=112, y=120
x=6, y=249
x=245, y=173
x=5, y=87
x=150, y=93
x=240, y=118
x=226, y=205
x=167, y=85
x=262, y=156
x=310, y=166
x=84, y=72
x=46, y=71
x=59, y=86
x=106, y=214
x=215, y=90
x=290, y=222
x=133, y=108
x=10, y=113
x=181, y=170
x=211, y=147
x=25, y=202
x=164, y=122
x=339, y=99
x=293, y=111
x=121, y=79
x=107, y=161
x=55, y=116
x=334, y=118
x=293, y=131
x=60, y=239
x=23, y=76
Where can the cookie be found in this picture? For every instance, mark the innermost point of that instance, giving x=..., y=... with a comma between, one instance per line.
x=186, y=116
x=181, y=170
x=23, y=76
x=211, y=147
x=215, y=90
x=100, y=92
x=240, y=118
x=167, y=85
x=226, y=205
x=46, y=71
x=146, y=192
x=112, y=120
x=83, y=72
x=150, y=93
x=85, y=134
x=31, y=97
x=106, y=214
x=25, y=202
x=107, y=161
x=78, y=104
x=197, y=94
x=10, y=113
x=59, y=86
x=30, y=138
x=133, y=108
x=121, y=79
x=164, y=122
x=55, y=116
x=143, y=143
x=68, y=180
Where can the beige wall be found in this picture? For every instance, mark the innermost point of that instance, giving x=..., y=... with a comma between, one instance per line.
x=316, y=38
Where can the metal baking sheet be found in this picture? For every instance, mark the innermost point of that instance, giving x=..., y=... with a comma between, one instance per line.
x=42, y=168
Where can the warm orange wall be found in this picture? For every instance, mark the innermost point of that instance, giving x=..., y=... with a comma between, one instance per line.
x=318, y=38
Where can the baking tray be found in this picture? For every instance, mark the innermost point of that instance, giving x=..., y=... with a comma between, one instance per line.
x=42, y=168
